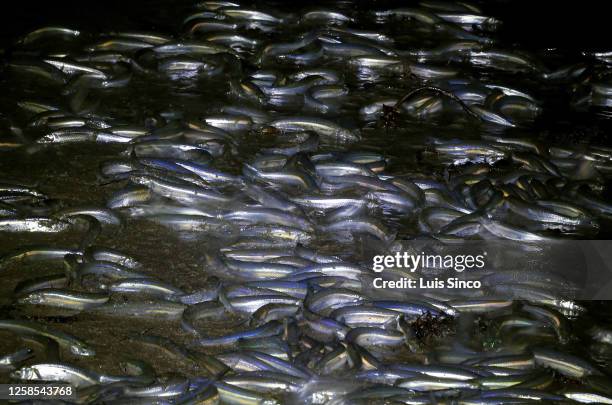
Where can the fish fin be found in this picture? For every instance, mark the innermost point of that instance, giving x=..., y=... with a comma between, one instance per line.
x=225, y=301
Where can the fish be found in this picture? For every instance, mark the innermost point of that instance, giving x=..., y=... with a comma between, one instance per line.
x=203, y=205
x=78, y=378
x=565, y=364
x=325, y=129
x=12, y=360
x=63, y=299
x=33, y=224
x=269, y=329
x=75, y=345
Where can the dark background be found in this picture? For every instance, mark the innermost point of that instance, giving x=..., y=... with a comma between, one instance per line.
x=533, y=24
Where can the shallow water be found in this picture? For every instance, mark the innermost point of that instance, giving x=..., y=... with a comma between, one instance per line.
x=69, y=176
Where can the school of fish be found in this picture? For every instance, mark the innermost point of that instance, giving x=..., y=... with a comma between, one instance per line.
x=261, y=155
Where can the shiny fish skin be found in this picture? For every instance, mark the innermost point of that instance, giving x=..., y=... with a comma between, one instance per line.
x=113, y=256
x=57, y=372
x=355, y=316
x=63, y=299
x=588, y=397
x=146, y=310
x=36, y=253
x=372, y=337
x=564, y=363
x=107, y=269
x=272, y=328
x=258, y=271
x=10, y=361
x=101, y=215
x=45, y=225
x=435, y=384
x=203, y=204
x=324, y=128
x=76, y=346
x=145, y=286
x=325, y=301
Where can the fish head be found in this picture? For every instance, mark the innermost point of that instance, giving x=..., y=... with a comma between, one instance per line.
x=33, y=298
x=24, y=373
x=347, y=135
x=491, y=24
x=82, y=350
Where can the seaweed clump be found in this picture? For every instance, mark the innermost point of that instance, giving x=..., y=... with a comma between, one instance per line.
x=428, y=328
